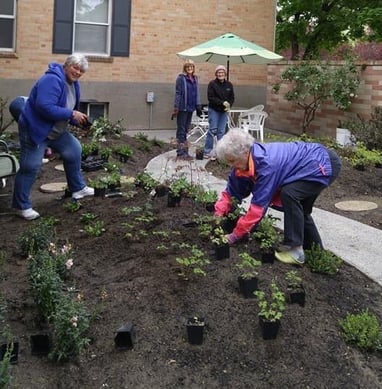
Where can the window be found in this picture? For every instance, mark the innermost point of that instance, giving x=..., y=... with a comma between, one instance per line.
x=92, y=27
x=94, y=109
x=7, y=24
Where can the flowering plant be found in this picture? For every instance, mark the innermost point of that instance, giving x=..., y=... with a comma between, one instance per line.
x=70, y=323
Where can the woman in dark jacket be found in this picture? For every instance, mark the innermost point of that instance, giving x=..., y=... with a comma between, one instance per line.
x=187, y=100
x=220, y=99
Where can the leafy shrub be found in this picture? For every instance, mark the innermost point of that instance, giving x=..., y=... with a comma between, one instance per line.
x=322, y=261
x=362, y=329
x=248, y=265
x=103, y=127
x=368, y=132
x=193, y=263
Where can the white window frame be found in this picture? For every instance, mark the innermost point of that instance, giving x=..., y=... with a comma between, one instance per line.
x=86, y=105
x=13, y=17
x=108, y=34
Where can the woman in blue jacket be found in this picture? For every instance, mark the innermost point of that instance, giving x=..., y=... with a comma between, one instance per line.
x=287, y=176
x=52, y=104
x=187, y=100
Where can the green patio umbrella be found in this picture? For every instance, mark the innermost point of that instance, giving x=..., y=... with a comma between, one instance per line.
x=230, y=49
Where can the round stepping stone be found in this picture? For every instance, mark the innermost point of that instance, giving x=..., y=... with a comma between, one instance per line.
x=53, y=187
x=356, y=205
x=60, y=167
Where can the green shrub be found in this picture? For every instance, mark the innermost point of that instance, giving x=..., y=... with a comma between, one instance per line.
x=362, y=329
x=322, y=261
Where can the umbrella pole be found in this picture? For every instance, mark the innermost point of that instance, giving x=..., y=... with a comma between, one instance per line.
x=228, y=68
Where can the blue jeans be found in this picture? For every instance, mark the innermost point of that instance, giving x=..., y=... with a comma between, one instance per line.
x=31, y=156
x=217, y=122
x=183, y=122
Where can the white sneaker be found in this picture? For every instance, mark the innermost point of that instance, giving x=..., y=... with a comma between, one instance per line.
x=86, y=191
x=28, y=214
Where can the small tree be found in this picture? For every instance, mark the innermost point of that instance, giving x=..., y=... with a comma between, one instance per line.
x=313, y=83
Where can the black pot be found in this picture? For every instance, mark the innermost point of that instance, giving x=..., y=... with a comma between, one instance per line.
x=210, y=207
x=268, y=256
x=297, y=296
x=195, y=330
x=125, y=337
x=269, y=329
x=99, y=192
x=14, y=354
x=161, y=190
x=40, y=344
x=123, y=158
x=222, y=252
x=247, y=286
x=173, y=200
x=228, y=225
x=199, y=154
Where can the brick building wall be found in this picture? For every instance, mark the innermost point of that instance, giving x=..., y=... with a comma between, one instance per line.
x=285, y=116
x=159, y=29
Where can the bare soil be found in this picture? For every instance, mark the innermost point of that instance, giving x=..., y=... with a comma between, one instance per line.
x=144, y=288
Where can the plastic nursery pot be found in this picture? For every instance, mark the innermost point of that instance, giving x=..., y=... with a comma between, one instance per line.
x=297, y=296
x=210, y=207
x=125, y=337
x=161, y=190
x=269, y=329
x=173, y=200
x=14, y=354
x=268, y=256
x=40, y=344
x=195, y=329
x=222, y=252
x=123, y=158
x=199, y=154
x=247, y=286
x=99, y=192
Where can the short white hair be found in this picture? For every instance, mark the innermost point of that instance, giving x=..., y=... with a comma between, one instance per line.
x=79, y=60
x=234, y=144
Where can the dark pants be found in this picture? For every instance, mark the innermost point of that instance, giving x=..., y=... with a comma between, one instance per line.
x=298, y=199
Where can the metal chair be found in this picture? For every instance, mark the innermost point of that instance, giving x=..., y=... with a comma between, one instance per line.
x=199, y=127
x=253, y=122
x=9, y=165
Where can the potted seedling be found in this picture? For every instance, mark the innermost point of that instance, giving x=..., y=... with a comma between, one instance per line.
x=177, y=187
x=267, y=237
x=195, y=329
x=247, y=279
x=296, y=291
x=100, y=186
x=105, y=153
x=271, y=310
x=220, y=242
x=208, y=199
x=124, y=152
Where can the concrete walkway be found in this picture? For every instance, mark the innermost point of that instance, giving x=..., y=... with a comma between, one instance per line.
x=356, y=243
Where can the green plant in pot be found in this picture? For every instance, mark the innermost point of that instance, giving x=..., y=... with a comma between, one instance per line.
x=271, y=308
x=207, y=197
x=268, y=237
x=247, y=279
x=295, y=288
x=220, y=241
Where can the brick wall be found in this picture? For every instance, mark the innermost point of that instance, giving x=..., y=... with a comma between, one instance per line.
x=285, y=116
x=159, y=29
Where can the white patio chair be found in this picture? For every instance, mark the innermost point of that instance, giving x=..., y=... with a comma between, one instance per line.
x=199, y=127
x=253, y=122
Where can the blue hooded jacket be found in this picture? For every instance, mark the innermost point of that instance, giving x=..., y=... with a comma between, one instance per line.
x=46, y=104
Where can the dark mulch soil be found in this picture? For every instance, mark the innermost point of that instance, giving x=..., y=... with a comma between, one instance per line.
x=143, y=287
